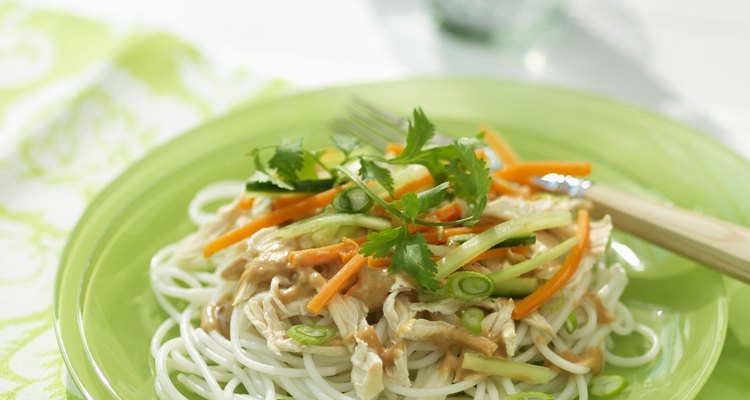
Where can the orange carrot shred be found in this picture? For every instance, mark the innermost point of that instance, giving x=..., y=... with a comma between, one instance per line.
x=533, y=301
x=501, y=186
x=273, y=218
x=523, y=172
x=335, y=284
x=499, y=146
x=285, y=201
x=246, y=203
x=394, y=148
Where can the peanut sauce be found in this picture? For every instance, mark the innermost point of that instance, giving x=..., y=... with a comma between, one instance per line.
x=372, y=287
x=592, y=357
x=603, y=315
x=389, y=355
x=217, y=315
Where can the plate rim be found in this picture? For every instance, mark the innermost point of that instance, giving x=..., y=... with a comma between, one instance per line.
x=85, y=220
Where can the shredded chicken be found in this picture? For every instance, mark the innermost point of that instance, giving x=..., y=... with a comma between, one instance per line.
x=499, y=325
x=269, y=257
x=506, y=207
x=442, y=334
x=536, y=320
x=367, y=371
x=599, y=235
x=262, y=313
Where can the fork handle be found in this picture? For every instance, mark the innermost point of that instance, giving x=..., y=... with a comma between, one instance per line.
x=721, y=245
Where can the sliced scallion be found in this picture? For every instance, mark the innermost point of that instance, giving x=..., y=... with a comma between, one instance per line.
x=311, y=334
x=607, y=385
x=352, y=200
x=571, y=324
x=530, y=396
x=469, y=285
x=471, y=318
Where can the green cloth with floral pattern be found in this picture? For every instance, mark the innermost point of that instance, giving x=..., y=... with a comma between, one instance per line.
x=79, y=101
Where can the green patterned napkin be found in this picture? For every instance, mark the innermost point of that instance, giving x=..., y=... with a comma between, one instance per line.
x=79, y=101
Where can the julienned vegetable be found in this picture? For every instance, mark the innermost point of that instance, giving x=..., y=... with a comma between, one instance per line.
x=273, y=218
x=562, y=276
x=534, y=263
x=516, y=287
x=509, y=369
x=311, y=334
x=468, y=286
x=316, y=223
x=332, y=287
x=351, y=200
x=485, y=240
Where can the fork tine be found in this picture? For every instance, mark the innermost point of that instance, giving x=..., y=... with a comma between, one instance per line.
x=378, y=113
x=389, y=132
x=345, y=126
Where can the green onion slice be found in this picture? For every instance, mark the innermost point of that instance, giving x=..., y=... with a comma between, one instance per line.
x=471, y=318
x=352, y=200
x=311, y=334
x=607, y=385
x=571, y=324
x=530, y=396
x=469, y=285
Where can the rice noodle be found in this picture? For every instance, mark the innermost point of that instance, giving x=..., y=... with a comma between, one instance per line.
x=203, y=363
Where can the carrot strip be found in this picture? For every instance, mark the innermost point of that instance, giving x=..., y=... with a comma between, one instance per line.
x=378, y=262
x=501, y=186
x=273, y=218
x=417, y=185
x=533, y=301
x=246, y=203
x=285, y=201
x=394, y=148
x=448, y=212
x=501, y=252
x=499, y=146
x=524, y=171
x=319, y=256
x=434, y=236
x=335, y=284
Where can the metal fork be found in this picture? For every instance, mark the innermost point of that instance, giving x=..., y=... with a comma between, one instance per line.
x=376, y=127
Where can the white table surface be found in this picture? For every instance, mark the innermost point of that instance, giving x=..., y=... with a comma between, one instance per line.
x=688, y=59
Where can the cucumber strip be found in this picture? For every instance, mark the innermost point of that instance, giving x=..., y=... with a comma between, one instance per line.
x=607, y=385
x=534, y=263
x=352, y=200
x=516, y=287
x=298, y=187
x=325, y=221
x=485, y=240
x=510, y=369
x=520, y=240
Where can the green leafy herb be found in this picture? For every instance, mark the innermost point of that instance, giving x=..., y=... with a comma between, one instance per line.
x=420, y=131
x=347, y=144
x=417, y=204
x=379, y=244
x=412, y=257
x=470, y=178
x=288, y=159
x=370, y=171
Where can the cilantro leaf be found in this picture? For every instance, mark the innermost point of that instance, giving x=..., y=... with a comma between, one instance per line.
x=379, y=244
x=470, y=178
x=420, y=131
x=417, y=204
x=287, y=160
x=345, y=143
x=413, y=257
x=370, y=171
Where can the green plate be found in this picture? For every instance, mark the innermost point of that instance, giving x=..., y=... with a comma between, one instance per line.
x=105, y=313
